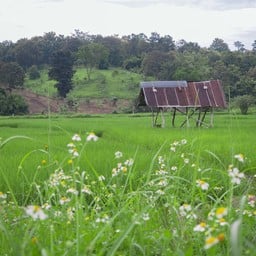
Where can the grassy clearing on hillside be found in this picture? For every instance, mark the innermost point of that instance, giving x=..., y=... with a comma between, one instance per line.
x=136, y=190
x=112, y=83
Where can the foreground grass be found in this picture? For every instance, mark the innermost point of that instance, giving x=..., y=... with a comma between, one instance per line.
x=134, y=191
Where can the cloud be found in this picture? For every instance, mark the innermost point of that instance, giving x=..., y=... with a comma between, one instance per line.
x=209, y=4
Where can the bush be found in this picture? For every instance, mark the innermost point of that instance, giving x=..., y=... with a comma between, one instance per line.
x=12, y=104
x=244, y=102
x=33, y=72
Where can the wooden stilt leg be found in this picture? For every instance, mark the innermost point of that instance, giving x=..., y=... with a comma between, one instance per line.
x=198, y=122
x=173, y=117
x=211, y=118
x=162, y=117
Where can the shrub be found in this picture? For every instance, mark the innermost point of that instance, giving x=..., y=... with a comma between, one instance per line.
x=33, y=72
x=244, y=102
x=12, y=104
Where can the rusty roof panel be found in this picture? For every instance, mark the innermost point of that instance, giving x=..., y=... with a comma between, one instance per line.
x=150, y=97
x=172, y=97
x=183, y=94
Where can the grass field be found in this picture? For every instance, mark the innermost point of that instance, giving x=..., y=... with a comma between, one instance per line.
x=136, y=190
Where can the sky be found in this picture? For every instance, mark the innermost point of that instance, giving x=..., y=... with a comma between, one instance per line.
x=199, y=21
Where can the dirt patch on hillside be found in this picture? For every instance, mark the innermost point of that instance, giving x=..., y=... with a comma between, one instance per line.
x=39, y=104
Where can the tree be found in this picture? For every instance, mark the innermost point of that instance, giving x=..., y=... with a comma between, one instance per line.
x=254, y=46
x=239, y=46
x=91, y=55
x=62, y=71
x=11, y=75
x=153, y=63
x=219, y=45
x=184, y=46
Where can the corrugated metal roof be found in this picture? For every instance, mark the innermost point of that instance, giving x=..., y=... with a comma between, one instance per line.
x=182, y=94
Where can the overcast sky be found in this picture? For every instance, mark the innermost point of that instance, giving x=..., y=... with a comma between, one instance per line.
x=192, y=20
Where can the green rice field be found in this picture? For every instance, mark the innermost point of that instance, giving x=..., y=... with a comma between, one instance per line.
x=114, y=185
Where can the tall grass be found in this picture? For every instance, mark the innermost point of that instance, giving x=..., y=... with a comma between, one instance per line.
x=170, y=192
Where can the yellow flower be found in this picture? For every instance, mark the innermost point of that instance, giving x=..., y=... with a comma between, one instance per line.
x=70, y=161
x=43, y=162
x=221, y=237
x=221, y=212
x=210, y=241
x=34, y=240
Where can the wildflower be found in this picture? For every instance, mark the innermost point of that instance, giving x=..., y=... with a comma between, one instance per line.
x=221, y=237
x=46, y=206
x=183, y=141
x=173, y=149
x=186, y=211
x=129, y=162
x=2, y=195
x=239, y=157
x=201, y=227
x=115, y=172
x=43, y=162
x=72, y=191
x=163, y=183
x=118, y=154
x=210, y=241
x=101, y=178
x=124, y=169
x=235, y=175
x=161, y=172
x=92, y=136
x=35, y=212
x=222, y=222
x=186, y=160
x=70, y=213
x=76, y=137
x=145, y=216
x=251, y=200
x=34, y=240
x=86, y=190
x=104, y=219
x=174, y=168
x=160, y=192
x=64, y=200
x=73, y=151
x=202, y=184
x=71, y=145
x=160, y=160
x=221, y=212
x=70, y=161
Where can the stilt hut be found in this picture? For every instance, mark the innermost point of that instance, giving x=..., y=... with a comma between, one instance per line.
x=187, y=98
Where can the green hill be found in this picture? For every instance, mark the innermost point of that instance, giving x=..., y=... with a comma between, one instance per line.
x=106, y=84
x=112, y=90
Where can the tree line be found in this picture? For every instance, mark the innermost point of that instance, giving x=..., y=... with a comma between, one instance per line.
x=156, y=56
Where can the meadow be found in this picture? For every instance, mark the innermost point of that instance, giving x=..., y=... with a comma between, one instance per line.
x=114, y=185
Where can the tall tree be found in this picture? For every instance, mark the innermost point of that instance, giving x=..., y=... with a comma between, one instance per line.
x=62, y=71
x=91, y=55
x=239, y=46
x=219, y=45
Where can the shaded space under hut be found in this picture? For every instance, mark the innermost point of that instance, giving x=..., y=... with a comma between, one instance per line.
x=187, y=98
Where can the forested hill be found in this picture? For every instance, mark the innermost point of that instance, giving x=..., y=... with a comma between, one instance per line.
x=53, y=59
